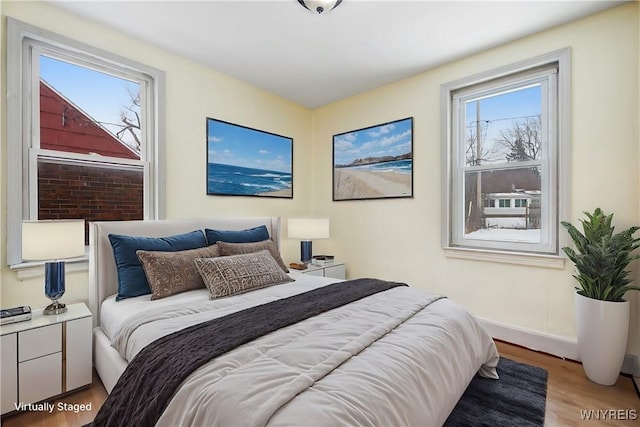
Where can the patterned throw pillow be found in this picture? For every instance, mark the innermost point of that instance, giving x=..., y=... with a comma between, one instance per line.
x=170, y=273
x=227, y=249
x=237, y=274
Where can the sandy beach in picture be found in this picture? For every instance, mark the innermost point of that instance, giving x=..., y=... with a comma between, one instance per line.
x=286, y=192
x=374, y=162
x=363, y=184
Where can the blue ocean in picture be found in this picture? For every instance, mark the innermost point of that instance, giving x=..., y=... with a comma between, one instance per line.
x=236, y=180
x=398, y=166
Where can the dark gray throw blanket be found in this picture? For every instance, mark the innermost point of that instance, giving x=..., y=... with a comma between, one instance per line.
x=147, y=385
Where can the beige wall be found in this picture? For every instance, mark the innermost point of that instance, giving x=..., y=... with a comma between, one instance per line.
x=400, y=239
x=193, y=93
x=395, y=239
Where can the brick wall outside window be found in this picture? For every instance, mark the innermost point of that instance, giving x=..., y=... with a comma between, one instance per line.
x=93, y=193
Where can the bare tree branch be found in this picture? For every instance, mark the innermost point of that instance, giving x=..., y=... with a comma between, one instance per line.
x=523, y=141
x=488, y=152
x=131, y=118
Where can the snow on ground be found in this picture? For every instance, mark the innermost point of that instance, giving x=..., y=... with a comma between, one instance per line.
x=506, y=235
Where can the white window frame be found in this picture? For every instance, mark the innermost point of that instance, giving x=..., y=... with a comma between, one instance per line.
x=25, y=43
x=556, y=179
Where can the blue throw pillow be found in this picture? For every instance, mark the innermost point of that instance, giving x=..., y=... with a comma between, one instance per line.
x=256, y=234
x=132, y=281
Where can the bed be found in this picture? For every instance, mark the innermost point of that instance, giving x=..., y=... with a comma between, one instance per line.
x=396, y=356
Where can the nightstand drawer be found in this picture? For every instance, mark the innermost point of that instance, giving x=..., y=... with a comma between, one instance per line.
x=78, y=353
x=40, y=378
x=319, y=272
x=9, y=372
x=335, y=271
x=39, y=342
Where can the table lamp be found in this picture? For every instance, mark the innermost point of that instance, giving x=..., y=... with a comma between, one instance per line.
x=53, y=241
x=307, y=229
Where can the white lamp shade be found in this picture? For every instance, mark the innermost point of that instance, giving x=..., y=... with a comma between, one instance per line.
x=308, y=228
x=52, y=240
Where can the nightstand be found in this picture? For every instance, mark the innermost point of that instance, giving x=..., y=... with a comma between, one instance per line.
x=336, y=270
x=45, y=356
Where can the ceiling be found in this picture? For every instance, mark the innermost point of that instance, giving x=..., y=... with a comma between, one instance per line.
x=312, y=59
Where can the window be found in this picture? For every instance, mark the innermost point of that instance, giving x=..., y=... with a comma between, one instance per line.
x=89, y=139
x=504, y=138
x=504, y=203
x=520, y=203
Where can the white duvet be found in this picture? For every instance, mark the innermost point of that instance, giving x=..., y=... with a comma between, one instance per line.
x=402, y=357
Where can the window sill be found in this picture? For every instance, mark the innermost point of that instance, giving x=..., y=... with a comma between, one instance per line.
x=30, y=270
x=528, y=259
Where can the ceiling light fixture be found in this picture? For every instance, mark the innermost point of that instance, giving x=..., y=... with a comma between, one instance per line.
x=320, y=6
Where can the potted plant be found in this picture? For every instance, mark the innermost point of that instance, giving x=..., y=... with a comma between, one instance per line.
x=601, y=260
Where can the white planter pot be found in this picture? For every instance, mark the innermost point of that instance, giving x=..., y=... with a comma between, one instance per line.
x=602, y=337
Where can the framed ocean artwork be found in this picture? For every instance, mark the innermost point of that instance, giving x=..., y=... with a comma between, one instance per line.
x=374, y=162
x=242, y=161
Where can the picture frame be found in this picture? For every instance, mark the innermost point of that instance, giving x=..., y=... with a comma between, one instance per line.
x=375, y=162
x=242, y=161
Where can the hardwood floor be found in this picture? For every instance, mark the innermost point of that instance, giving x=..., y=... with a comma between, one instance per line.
x=569, y=392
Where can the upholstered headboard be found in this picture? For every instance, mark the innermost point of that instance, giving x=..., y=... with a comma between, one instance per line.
x=103, y=277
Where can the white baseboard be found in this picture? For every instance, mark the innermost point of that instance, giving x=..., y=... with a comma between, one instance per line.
x=631, y=365
x=551, y=344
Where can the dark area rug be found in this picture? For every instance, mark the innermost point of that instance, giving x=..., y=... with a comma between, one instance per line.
x=517, y=399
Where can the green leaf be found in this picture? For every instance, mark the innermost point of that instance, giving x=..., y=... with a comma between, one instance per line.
x=602, y=257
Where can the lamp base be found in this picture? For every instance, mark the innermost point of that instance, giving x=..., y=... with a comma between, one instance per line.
x=54, y=286
x=55, y=308
x=305, y=251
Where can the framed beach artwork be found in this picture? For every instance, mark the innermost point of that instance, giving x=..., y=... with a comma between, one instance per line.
x=242, y=161
x=374, y=162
